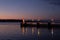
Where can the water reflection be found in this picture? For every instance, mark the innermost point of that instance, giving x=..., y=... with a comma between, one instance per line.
x=23, y=31
x=52, y=32
x=56, y=34
x=38, y=32
x=26, y=30
x=15, y=32
x=33, y=30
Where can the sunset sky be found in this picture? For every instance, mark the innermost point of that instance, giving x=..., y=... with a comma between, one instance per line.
x=15, y=9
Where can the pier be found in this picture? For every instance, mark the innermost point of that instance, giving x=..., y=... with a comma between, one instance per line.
x=40, y=23
x=35, y=23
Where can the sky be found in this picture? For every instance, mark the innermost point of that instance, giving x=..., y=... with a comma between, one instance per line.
x=29, y=9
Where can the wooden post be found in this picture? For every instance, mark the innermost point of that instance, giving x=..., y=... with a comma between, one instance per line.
x=49, y=25
x=37, y=23
x=23, y=21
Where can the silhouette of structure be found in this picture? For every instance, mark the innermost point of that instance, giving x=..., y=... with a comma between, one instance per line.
x=37, y=23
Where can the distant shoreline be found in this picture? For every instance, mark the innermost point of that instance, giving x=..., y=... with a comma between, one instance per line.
x=10, y=20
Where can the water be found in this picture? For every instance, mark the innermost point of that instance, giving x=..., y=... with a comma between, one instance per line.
x=13, y=31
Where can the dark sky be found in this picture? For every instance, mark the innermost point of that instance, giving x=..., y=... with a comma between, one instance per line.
x=43, y=9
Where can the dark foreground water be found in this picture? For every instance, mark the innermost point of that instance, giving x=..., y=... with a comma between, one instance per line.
x=13, y=31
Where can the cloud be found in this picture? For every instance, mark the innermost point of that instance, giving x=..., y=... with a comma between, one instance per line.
x=53, y=2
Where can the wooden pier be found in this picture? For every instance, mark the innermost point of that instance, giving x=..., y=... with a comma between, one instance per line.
x=39, y=24
x=33, y=23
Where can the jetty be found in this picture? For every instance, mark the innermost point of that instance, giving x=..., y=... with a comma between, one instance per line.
x=40, y=23
x=34, y=23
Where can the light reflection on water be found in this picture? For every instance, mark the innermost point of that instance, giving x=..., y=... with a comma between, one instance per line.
x=13, y=31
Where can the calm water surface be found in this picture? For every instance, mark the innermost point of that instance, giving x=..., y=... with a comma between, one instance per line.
x=13, y=31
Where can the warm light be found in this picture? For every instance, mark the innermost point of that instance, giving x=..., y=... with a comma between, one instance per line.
x=26, y=30
x=23, y=19
x=52, y=32
x=23, y=30
x=52, y=19
x=38, y=31
x=32, y=30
